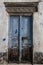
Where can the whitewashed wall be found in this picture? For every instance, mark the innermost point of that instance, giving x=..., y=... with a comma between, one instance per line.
x=38, y=29
x=41, y=25
x=21, y=0
x=37, y=26
x=3, y=28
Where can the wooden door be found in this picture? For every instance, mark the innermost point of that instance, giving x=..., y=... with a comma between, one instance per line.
x=20, y=39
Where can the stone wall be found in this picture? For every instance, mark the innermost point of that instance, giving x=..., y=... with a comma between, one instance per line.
x=37, y=29
x=3, y=28
x=38, y=35
x=4, y=20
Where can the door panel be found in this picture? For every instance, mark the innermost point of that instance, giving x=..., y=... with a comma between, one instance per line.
x=13, y=39
x=26, y=38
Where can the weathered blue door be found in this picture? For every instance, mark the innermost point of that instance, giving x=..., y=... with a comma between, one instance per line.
x=20, y=38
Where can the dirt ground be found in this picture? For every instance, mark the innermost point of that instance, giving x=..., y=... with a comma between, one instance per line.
x=19, y=64
x=15, y=64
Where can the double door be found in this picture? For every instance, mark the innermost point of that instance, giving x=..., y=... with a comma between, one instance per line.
x=20, y=39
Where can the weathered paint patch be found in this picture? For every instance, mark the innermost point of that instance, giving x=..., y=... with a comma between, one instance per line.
x=38, y=58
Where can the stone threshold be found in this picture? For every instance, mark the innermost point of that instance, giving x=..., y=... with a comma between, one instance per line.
x=16, y=64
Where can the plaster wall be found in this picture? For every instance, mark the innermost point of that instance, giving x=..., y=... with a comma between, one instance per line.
x=37, y=29
x=37, y=26
x=20, y=0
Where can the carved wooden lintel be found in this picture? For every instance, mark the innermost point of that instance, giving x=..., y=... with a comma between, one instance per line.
x=21, y=8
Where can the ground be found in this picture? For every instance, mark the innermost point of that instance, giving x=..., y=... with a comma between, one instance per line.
x=15, y=64
x=21, y=64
